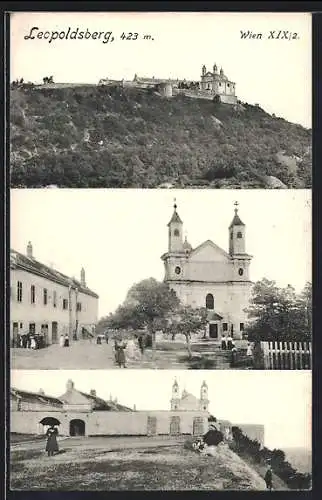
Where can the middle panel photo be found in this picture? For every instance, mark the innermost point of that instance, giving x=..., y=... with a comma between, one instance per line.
x=160, y=279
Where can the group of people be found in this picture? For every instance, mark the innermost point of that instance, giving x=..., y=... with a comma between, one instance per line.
x=64, y=340
x=30, y=341
x=227, y=342
x=128, y=349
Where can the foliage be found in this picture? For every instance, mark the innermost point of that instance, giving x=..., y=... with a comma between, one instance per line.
x=243, y=445
x=96, y=136
x=279, y=314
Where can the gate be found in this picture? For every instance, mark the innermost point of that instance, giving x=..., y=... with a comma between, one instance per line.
x=287, y=355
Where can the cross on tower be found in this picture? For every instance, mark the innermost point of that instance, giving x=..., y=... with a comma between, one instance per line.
x=236, y=205
x=175, y=203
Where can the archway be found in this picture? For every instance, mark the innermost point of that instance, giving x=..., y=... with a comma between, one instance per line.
x=77, y=427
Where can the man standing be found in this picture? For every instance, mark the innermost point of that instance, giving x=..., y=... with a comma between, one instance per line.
x=269, y=478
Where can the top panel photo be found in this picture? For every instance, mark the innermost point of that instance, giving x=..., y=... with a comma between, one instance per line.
x=160, y=100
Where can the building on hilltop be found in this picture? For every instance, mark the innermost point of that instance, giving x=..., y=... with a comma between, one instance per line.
x=80, y=414
x=47, y=302
x=218, y=84
x=208, y=276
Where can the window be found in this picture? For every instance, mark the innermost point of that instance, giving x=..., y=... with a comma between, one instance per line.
x=177, y=270
x=239, y=234
x=32, y=328
x=65, y=304
x=21, y=325
x=55, y=299
x=240, y=271
x=176, y=232
x=241, y=327
x=32, y=294
x=227, y=84
x=45, y=296
x=231, y=235
x=225, y=327
x=210, y=301
x=78, y=306
x=19, y=291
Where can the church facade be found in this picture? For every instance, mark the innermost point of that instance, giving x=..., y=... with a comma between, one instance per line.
x=217, y=83
x=80, y=414
x=208, y=276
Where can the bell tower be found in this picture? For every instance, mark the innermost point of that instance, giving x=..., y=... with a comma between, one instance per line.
x=175, y=237
x=236, y=234
x=204, y=401
x=175, y=400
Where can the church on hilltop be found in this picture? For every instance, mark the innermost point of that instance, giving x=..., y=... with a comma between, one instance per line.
x=218, y=84
x=208, y=276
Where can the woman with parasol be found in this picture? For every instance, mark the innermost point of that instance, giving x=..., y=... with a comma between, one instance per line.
x=52, y=445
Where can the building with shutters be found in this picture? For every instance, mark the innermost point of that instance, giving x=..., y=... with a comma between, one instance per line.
x=45, y=301
x=80, y=414
x=211, y=277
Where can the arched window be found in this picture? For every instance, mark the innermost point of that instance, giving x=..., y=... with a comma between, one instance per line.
x=240, y=271
x=176, y=232
x=239, y=234
x=210, y=301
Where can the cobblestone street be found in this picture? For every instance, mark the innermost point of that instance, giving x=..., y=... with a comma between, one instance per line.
x=84, y=354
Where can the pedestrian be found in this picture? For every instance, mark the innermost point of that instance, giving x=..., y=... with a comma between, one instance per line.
x=98, y=340
x=66, y=341
x=269, y=478
x=224, y=342
x=61, y=340
x=33, y=344
x=51, y=445
x=229, y=342
x=120, y=346
x=24, y=341
x=141, y=343
x=249, y=351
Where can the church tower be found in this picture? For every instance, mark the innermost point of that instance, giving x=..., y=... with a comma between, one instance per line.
x=237, y=248
x=204, y=401
x=175, y=400
x=175, y=237
x=236, y=234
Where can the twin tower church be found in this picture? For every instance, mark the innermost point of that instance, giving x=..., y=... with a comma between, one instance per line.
x=208, y=276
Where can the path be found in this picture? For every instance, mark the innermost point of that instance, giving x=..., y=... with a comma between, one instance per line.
x=83, y=354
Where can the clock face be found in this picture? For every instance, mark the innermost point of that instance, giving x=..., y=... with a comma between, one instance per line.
x=177, y=270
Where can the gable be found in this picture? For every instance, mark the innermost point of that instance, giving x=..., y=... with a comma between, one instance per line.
x=209, y=252
x=74, y=397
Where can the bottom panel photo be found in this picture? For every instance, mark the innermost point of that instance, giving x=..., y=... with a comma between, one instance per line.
x=173, y=430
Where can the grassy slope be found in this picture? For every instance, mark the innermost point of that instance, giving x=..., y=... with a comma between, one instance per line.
x=159, y=468
x=112, y=137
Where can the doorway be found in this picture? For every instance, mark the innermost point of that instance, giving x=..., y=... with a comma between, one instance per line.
x=54, y=332
x=152, y=426
x=77, y=427
x=213, y=330
x=175, y=426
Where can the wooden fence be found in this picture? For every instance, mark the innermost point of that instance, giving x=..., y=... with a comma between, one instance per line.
x=287, y=355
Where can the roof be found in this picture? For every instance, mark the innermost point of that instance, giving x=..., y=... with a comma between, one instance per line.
x=31, y=265
x=175, y=218
x=236, y=220
x=101, y=404
x=36, y=397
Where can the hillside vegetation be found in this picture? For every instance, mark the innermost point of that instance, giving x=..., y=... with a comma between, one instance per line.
x=96, y=136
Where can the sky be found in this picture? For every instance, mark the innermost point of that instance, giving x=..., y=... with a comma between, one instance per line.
x=279, y=400
x=276, y=73
x=118, y=236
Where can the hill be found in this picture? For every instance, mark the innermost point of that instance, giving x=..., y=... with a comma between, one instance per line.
x=99, y=136
x=129, y=464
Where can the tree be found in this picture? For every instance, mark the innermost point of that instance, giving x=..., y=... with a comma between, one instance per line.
x=186, y=321
x=279, y=314
x=147, y=305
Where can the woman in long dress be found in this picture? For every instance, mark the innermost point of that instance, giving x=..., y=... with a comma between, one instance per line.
x=132, y=350
x=52, y=445
x=120, y=346
x=249, y=349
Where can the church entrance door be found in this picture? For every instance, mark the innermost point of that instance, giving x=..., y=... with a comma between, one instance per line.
x=213, y=330
x=175, y=426
x=152, y=426
x=54, y=332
